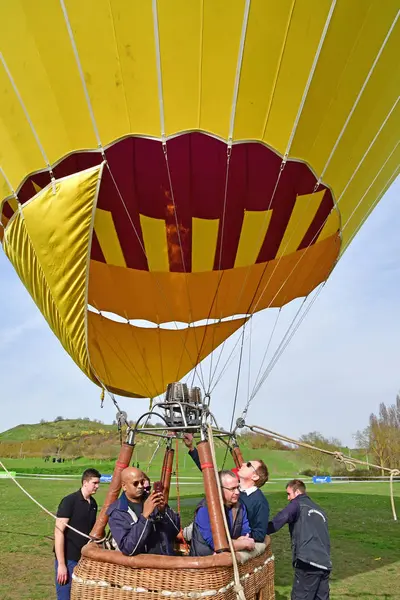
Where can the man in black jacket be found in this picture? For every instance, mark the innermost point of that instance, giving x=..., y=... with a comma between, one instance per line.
x=308, y=526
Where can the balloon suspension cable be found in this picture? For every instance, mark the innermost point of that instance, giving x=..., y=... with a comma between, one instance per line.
x=91, y=539
x=238, y=586
x=160, y=441
x=178, y=494
x=121, y=418
x=348, y=461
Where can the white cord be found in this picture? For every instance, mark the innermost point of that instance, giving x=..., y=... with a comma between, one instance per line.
x=45, y=509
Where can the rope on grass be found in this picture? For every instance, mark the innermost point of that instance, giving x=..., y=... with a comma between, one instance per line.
x=348, y=461
x=238, y=586
x=45, y=509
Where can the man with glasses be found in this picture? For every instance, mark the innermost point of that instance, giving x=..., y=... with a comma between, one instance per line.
x=142, y=524
x=202, y=541
x=252, y=476
x=308, y=527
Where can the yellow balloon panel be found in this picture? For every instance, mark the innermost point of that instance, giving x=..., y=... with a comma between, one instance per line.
x=133, y=26
x=189, y=228
x=92, y=23
x=385, y=144
x=180, y=37
x=16, y=159
x=304, y=32
x=353, y=215
x=267, y=31
x=145, y=360
x=51, y=231
x=370, y=115
x=221, y=31
x=44, y=69
x=187, y=297
x=352, y=44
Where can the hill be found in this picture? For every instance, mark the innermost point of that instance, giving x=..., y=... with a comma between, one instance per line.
x=54, y=429
x=69, y=439
x=81, y=441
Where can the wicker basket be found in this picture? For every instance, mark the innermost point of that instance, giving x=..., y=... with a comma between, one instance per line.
x=109, y=575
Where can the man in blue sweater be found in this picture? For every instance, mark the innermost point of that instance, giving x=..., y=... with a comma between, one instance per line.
x=308, y=527
x=252, y=476
x=202, y=543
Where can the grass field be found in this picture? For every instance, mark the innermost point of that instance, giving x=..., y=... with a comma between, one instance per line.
x=284, y=462
x=365, y=539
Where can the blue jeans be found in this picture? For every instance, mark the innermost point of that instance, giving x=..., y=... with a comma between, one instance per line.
x=64, y=591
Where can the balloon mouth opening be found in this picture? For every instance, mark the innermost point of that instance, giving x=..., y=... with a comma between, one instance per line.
x=170, y=325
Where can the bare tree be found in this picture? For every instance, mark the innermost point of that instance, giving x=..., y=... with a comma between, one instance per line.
x=319, y=459
x=382, y=436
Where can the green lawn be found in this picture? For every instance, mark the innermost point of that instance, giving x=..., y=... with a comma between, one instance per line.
x=365, y=539
x=286, y=463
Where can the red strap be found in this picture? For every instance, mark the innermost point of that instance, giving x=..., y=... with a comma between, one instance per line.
x=207, y=466
x=121, y=465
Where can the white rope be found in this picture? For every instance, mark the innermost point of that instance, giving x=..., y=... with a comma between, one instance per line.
x=349, y=462
x=238, y=70
x=81, y=74
x=368, y=149
x=163, y=296
x=368, y=77
x=229, y=149
x=45, y=509
x=30, y=122
x=310, y=78
x=286, y=341
x=373, y=205
x=238, y=586
x=159, y=72
x=211, y=389
x=370, y=185
x=8, y=182
x=265, y=355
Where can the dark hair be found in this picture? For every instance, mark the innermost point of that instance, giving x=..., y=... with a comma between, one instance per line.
x=296, y=485
x=89, y=474
x=146, y=477
x=262, y=472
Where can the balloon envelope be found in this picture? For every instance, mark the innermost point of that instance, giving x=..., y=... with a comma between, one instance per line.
x=187, y=161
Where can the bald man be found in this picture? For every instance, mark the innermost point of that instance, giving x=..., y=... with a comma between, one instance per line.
x=139, y=523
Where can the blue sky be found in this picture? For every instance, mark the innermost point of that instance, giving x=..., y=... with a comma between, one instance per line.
x=343, y=361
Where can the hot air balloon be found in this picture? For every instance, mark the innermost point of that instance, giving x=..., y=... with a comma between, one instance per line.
x=169, y=168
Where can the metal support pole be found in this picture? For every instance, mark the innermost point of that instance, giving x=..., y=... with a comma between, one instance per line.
x=123, y=461
x=167, y=471
x=214, y=508
x=237, y=455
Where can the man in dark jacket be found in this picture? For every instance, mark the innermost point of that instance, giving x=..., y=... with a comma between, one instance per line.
x=308, y=526
x=252, y=476
x=140, y=525
x=202, y=541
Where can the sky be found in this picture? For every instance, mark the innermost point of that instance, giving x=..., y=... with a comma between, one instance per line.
x=343, y=361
